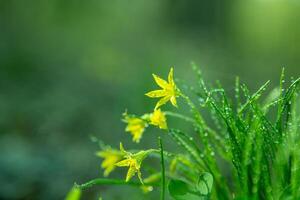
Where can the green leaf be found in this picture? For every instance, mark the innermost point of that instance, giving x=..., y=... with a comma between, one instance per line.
x=178, y=187
x=181, y=190
x=205, y=183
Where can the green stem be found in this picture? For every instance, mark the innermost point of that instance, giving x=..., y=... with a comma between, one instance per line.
x=103, y=181
x=162, y=162
x=254, y=97
x=180, y=116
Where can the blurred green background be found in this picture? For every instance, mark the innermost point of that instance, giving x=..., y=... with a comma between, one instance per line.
x=68, y=69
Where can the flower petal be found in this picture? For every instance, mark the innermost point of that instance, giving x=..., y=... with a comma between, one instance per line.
x=162, y=101
x=123, y=163
x=108, y=170
x=122, y=148
x=156, y=93
x=131, y=172
x=158, y=118
x=170, y=77
x=161, y=82
x=173, y=101
x=102, y=154
x=137, y=136
x=107, y=162
x=163, y=125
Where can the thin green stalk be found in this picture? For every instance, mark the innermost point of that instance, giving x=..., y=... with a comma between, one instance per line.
x=254, y=97
x=189, y=146
x=281, y=90
x=180, y=116
x=163, y=178
x=293, y=129
x=213, y=135
x=103, y=181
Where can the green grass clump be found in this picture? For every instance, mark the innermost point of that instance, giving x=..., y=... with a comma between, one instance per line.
x=249, y=149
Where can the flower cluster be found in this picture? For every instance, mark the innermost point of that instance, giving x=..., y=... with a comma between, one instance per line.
x=136, y=126
x=168, y=92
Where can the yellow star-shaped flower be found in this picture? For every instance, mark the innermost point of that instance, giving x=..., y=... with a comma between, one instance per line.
x=134, y=162
x=111, y=157
x=169, y=91
x=136, y=127
x=158, y=118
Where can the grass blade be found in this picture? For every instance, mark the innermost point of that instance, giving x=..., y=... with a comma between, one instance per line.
x=163, y=178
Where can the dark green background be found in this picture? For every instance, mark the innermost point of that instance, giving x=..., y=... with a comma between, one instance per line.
x=68, y=69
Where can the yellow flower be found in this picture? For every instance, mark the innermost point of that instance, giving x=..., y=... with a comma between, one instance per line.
x=154, y=178
x=169, y=91
x=158, y=118
x=133, y=161
x=111, y=157
x=146, y=188
x=136, y=127
x=74, y=194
